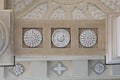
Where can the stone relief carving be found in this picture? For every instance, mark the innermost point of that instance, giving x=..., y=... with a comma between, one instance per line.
x=58, y=13
x=38, y=12
x=112, y=4
x=99, y=68
x=59, y=68
x=78, y=14
x=88, y=38
x=3, y=38
x=116, y=2
x=32, y=38
x=18, y=70
x=20, y=4
x=60, y=38
x=96, y=12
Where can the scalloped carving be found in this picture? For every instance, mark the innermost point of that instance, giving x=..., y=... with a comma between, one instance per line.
x=112, y=4
x=96, y=12
x=38, y=12
x=78, y=14
x=18, y=5
x=58, y=13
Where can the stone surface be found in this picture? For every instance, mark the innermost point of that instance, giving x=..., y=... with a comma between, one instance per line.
x=2, y=4
x=38, y=70
x=58, y=13
x=88, y=38
x=80, y=68
x=32, y=38
x=38, y=12
x=28, y=13
x=61, y=38
x=7, y=52
x=77, y=14
x=59, y=69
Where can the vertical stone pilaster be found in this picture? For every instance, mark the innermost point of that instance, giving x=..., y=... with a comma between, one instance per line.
x=2, y=4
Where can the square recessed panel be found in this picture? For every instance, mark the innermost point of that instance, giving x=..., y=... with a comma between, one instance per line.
x=88, y=38
x=60, y=38
x=32, y=38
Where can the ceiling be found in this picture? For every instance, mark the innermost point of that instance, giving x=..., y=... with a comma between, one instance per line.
x=64, y=9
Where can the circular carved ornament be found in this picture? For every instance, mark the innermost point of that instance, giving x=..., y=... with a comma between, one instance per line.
x=3, y=38
x=88, y=38
x=60, y=38
x=99, y=68
x=32, y=38
x=18, y=69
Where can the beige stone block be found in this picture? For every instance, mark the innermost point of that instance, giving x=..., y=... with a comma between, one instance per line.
x=6, y=40
x=2, y=4
x=80, y=68
x=48, y=25
x=39, y=70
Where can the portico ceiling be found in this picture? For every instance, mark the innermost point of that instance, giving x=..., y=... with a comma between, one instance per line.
x=64, y=9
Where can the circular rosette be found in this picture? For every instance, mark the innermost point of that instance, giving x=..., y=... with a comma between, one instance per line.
x=99, y=68
x=18, y=69
x=4, y=38
x=60, y=38
x=88, y=38
x=32, y=38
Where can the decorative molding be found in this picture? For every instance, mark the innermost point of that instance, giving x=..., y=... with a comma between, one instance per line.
x=18, y=5
x=78, y=14
x=95, y=11
x=112, y=35
x=112, y=4
x=58, y=13
x=38, y=12
x=54, y=58
x=67, y=2
x=73, y=46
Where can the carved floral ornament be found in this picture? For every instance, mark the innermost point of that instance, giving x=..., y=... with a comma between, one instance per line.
x=60, y=38
x=32, y=38
x=88, y=38
x=18, y=70
x=59, y=68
